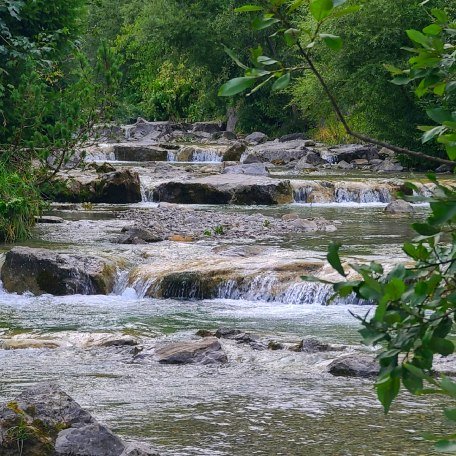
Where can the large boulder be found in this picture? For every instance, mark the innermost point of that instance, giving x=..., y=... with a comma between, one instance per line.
x=117, y=187
x=205, y=351
x=356, y=365
x=276, y=152
x=350, y=152
x=388, y=166
x=42, y=271
x=51, y=423
x=399, y=207
x=257, y=137
x=141, y=153
x=226, y=189
x=144, y=130
x=208, y=127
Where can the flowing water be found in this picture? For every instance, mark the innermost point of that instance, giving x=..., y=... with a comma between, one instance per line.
x=261, y=402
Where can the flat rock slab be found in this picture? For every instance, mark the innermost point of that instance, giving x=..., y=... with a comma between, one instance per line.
x=206, y=351
x=226, y=189
x=139, y=153
x=41, y=271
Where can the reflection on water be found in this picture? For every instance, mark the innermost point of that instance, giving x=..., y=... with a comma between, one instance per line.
x=261, y=403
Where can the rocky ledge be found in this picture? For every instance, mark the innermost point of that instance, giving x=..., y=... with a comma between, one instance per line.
x=44, y=421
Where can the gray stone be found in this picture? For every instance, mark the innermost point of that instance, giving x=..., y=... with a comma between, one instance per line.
x=256, y=138
x=208, y=127
x=49, y=219
x=205, y=351
x=360, y=162
x=399, y=207
x=276, y=152
x=356, y=365
x=234, y=152
x=344, y=165
x=254, y=169
x=90, y=440
x=444, y=169
x=138, y=235
x=139, y=449
x=349, y=152
x=42, y=271
x=227, y=333
x=388, y=167
x=313, y=345
x=294, y=136
x=139, y=153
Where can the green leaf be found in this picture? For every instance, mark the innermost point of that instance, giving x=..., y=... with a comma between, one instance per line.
x=264, y=60
x=261, y=23
x=235, y=86
x=234, y=57
x=432, y=133
x=442, y=346
x=332, y=41
x=432, y=29
x=345, y=11
x=425, y=229
x=295, y=5
x=446, y=446
x=248, y=8
x=321, y=9
x=282, y=82
x=291, y=36
x=387, y=391
x=439, y=115
x=413, y=383
x=394, y=289
x=440, y=15
x=334, y=258
x=450, y=387
x=450, y=413
x=418, y=37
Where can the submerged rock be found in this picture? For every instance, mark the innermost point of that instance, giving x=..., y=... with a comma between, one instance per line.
x=206, y=351
x=356, y=365
x=399, y=207
x=42, y=271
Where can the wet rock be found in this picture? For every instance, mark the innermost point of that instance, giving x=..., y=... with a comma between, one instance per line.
x=399, y=207
x=227, y=333
x=23, y=344
x=256, y=138
x=254, y=169
x=387, y=166
x=45, y=271
x=234, y=152
x=139, y=153
x=138, y=235
x=304, y=225
x=276, y=152
x=226, y=189
x=350, y=152
x=312, y=158
x=313, y=345
x=356, y=365
x=249, y=339
x=49, y=219
x=102, y=168
x=274, y=345
x=205, y=333
x=208, y=127
x=92, y=439
x=206, y=351
x=139, y=449
x=444, y=169
x=360, y=162
x=292, y=216
x=111, y=341
x=295, y=136
x=344, y=165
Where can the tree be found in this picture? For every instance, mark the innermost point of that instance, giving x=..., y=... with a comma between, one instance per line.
x=280, y=14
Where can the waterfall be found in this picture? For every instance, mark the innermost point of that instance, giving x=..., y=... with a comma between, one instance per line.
x=362, y=195
x=207, y=155
x=172, y=156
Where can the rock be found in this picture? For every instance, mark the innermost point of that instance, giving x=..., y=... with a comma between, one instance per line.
x=273, y=345
x=254, y=169
x=388, y=167
x=112, y=341
x=360, y=162
x=139, y=153
x=102, y=168
x=227, y=333
x=313, y=345
x=180, y=238
x=444, y=169
x=351, y=152
x=139, y=449
x=90, y=440
x=138, y=235
x=313, y=159
x=399, y=207
x=256, y=138
x=330, y=228
x=23, y=344
x=49, y=219
x=249, y=339
x=276, y=152
x=45, y=271
x=385, y=153
x=344, y=165
x=292, y=216
x=375, y=162
x=206, y=351
x=148, y=131
x=226, y=189
x=234, y=152
x=208, y=127
x=304, y=225
x=228, y=135
x=294, y=136
x=119, y=187
x=205, y=333
x=356, y=365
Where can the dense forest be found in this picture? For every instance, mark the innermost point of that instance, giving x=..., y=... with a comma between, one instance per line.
x=257, y=157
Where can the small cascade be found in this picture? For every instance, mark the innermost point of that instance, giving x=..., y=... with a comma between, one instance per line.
x=172, y=156
x=207, y=155
x=301, y=195
x=362, y=195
